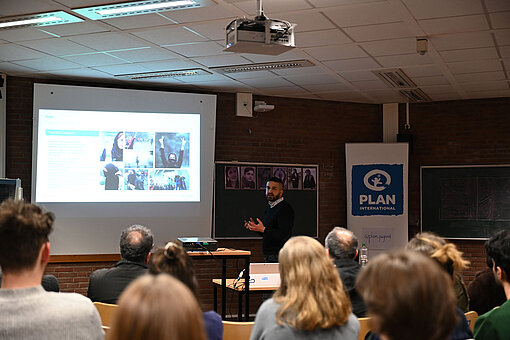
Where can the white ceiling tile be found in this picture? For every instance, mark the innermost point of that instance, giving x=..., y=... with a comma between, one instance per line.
x=311, y=21
x=56, y=46
x=81, y=73
x=358, y=75
x=214, y=30
x=390, y=47
x=502, y=37
x=10, y=52
x=480, y=76
x=262, y=83
x=404, y=60
x=454, y=24
x=328, y=3
x=168, y=36
x=445, y=96
x=144, y=54
x=321, y=38
x=470, y=54
x=370, y=85
x=352, y=64
x=505, y=51
x=272, y=6
x=255, y=74
x=138, y=21
x=202, y=78
x=489, y=94
x=222, y=60
x=261, y=58
x=500, y=20
x=497, y=5
x=440, y=8
x=14, y=8
x=378, y=32
x=335, y=52
x=375, y=13
x=344, y=96
x=464, y=40
x=475, y=66
x=428, y=81
x=312, y=79
x=423, y=71
x=47, y=64
x=7, y=67
x=201, y=14
x=281, y=91
x=172, y=64
x=485, y=86
x=386, y=96
x=23, y=34
x=78, y=28
x=327, y=87
x=432, y=90
x=310, y=71
x=107, y=41
x=122, y=69
x=93, y=59
x=199, y=49
x=224, y=82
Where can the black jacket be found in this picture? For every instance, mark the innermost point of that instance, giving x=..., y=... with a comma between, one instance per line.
x=278, y=222
x=348, y=270
x=107, y=284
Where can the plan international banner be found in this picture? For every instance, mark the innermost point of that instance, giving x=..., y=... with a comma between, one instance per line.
x=377, y=208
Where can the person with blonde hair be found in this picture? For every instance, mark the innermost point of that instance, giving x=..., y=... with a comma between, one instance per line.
x=310, y=301
x=157, y=307
x=173, y=259
x=408, y=297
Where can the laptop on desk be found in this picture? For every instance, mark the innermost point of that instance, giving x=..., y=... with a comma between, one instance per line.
x=264, y=274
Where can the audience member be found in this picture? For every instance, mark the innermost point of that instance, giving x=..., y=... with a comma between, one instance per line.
x=485, y=292
x=311, y=302
x=173, y=260
x=107, y=284
x=342, y=246
x=157, y=307
x=49, y=282
x=408, y=297
x=494, y=325
x=27, y=310
x=447, y=255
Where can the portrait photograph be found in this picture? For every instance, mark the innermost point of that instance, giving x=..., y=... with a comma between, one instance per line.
x=281, y=173
x=295, y=177
x=263, y=174
x=231, y=177
x=248, y=180
x=310, y=179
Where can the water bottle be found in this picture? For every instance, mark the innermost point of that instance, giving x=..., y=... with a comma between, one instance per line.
x=363, y=255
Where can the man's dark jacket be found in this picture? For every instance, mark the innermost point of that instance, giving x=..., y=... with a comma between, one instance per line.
x=107, y=284
x=348, y=270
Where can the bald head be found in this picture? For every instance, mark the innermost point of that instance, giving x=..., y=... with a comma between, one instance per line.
x=341, y=243
x=136, y=243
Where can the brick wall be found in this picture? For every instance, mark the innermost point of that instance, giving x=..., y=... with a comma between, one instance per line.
x=304, y=131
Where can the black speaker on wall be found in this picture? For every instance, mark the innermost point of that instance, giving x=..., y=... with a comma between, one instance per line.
x=406, y=138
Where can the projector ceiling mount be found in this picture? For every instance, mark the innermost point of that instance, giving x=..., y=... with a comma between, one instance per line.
x=260, y=35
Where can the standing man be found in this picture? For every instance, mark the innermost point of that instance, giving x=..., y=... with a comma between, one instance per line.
x=107, y=284
x=276, y=228
x=342, y=247
x=494, y=325
x=27, y=311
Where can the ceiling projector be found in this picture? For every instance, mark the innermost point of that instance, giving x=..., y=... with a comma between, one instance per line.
x=260, y=35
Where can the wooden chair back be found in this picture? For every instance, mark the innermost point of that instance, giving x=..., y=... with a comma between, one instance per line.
x=233, y=330
x=106, y=312
x=471, y=317
x=365, y=327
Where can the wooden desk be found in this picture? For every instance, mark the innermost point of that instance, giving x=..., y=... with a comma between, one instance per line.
x=239, y=288
x=225, y=254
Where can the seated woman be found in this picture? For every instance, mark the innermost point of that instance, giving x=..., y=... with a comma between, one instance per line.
x=157, y=307
x=173, y=260
x=408, y=297
x=310, y=302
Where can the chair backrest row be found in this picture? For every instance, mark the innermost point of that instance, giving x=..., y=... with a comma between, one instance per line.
x=237, y=330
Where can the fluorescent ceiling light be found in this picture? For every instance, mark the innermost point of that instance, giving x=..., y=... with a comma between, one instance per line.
x=279, y=65
x=137, y=7
x=166, y=74
x=37, y=20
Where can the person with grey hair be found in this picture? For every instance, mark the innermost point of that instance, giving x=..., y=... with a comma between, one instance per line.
x=107, y=284
x=342, y=247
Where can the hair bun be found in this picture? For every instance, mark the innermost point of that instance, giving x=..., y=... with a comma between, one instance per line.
x=170, y=250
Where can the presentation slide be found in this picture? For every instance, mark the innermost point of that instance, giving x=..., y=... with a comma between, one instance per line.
x=101, y=156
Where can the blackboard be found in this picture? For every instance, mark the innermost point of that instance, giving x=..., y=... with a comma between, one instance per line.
x=465, y=202
x=233, y=206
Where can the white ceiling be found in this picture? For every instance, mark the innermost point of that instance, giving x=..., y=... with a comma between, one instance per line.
x=469, y=47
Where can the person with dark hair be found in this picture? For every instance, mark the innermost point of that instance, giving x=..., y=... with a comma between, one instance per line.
x=157, y=307
x=111, y=174
x=27, y=310
x=173, y=260
x=172, y=161
x=309, y=180
x=248, y=179
x=485, y=292
x=276, y=228
x=408, y=297
x=107, y=284
x=342, y=247
x=49, y=282
x=117, y=152
x=494, y=325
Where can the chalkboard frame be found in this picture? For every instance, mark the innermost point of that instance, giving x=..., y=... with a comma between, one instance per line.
x=258, y=196
x=461, y=228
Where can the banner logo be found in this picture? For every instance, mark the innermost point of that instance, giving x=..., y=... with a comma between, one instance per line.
x=377, y=189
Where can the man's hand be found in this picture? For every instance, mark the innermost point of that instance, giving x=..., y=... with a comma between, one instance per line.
x=255, y=226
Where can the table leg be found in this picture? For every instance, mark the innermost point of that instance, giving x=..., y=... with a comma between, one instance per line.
x=224, y=289
x=240, y=306
x=247, y=287
x=215, y=298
